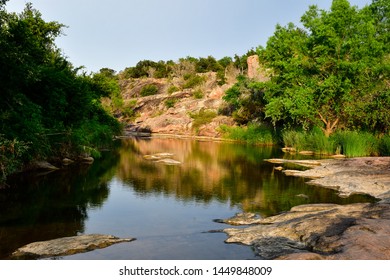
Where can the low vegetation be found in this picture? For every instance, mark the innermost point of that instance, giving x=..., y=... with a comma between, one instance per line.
x=251, y=134
x=201, y=118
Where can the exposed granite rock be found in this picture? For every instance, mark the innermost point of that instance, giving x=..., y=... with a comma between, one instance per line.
x=241, y=219
x=321, y=231
x=365, y=175
x=328, y=231
x=255, y=70
x=67, y=246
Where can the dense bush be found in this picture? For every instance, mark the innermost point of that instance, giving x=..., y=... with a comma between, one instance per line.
x=149, y=90
x=46, y=105
x=193, y=80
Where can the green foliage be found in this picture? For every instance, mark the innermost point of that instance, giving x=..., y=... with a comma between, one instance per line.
x=170, y=103
x=384, y=146
x=315, y=141
x=149, y=90
x=173, y=89
x=149, y=68
x=251, y=134
x=247, y=100
x=198, y=94
x=357, y=144
x=201, y=118
x=12, y=156
x=43, y=95
x=348, y=143
x=333, y=71
x=193, y=80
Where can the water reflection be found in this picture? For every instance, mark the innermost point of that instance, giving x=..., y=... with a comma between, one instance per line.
x=55, y=205
x=123, y=194
x=224, y=172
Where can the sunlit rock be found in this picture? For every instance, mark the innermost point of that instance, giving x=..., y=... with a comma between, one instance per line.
x=67, y=246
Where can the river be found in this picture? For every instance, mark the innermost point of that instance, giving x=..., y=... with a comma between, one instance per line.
x=169, y=208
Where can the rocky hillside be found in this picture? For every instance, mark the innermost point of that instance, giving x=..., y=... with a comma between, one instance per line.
x=187, y=104
x=173, y=110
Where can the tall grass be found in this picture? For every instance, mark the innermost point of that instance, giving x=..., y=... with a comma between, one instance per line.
x=349, y=143
x=252, y=134
x=314, y=140
x=356, y=143
x=384, y=146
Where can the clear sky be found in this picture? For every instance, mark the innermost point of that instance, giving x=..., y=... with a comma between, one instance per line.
x=119, y=33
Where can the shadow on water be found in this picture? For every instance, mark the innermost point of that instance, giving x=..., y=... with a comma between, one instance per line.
x=42, y=207
x=211, y=176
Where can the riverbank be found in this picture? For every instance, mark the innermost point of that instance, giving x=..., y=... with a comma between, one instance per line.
x=328, y=231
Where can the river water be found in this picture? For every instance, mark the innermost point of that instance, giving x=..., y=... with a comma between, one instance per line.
x=169, y=208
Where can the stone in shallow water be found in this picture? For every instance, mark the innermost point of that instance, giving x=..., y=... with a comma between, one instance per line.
x=67, y=246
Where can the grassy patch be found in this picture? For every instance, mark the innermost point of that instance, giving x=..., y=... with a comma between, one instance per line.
x=349, y=143
x=384, y=146
x=201, y=118
x=173, y=89
x=314, y=140
x=357, y=144
x=170, y=103
x=198, y=94
x=251, y=134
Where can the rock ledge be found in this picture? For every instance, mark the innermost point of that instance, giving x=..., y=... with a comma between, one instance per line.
x=67, y=246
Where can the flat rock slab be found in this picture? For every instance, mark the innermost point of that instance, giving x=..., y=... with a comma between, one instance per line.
x=321, y=231
x=365, y=175
x=67, y=246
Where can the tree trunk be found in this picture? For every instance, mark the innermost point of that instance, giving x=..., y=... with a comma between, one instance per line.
x=329, y=125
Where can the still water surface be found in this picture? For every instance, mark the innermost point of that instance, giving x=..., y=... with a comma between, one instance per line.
x=169, y=209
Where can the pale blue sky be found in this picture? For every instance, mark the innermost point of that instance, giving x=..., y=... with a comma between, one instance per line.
x=119, y=33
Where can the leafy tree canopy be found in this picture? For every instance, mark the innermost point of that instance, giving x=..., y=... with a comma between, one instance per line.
x=333, y=72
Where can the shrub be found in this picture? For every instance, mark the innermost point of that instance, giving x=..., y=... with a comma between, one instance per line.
x=149, y=90
x=198, y=94
x=193, y=80
x=12, y=153
x=173, y=89
x=202, y=117
x=170, y=102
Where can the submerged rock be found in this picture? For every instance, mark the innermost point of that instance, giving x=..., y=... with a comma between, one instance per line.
x=169, y=161
x=43, y=165
x=67, y=246
x=158, y=156
x=163, y=158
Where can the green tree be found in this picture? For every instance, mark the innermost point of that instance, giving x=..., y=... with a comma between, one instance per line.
x=334, y=71
x=46, y=104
